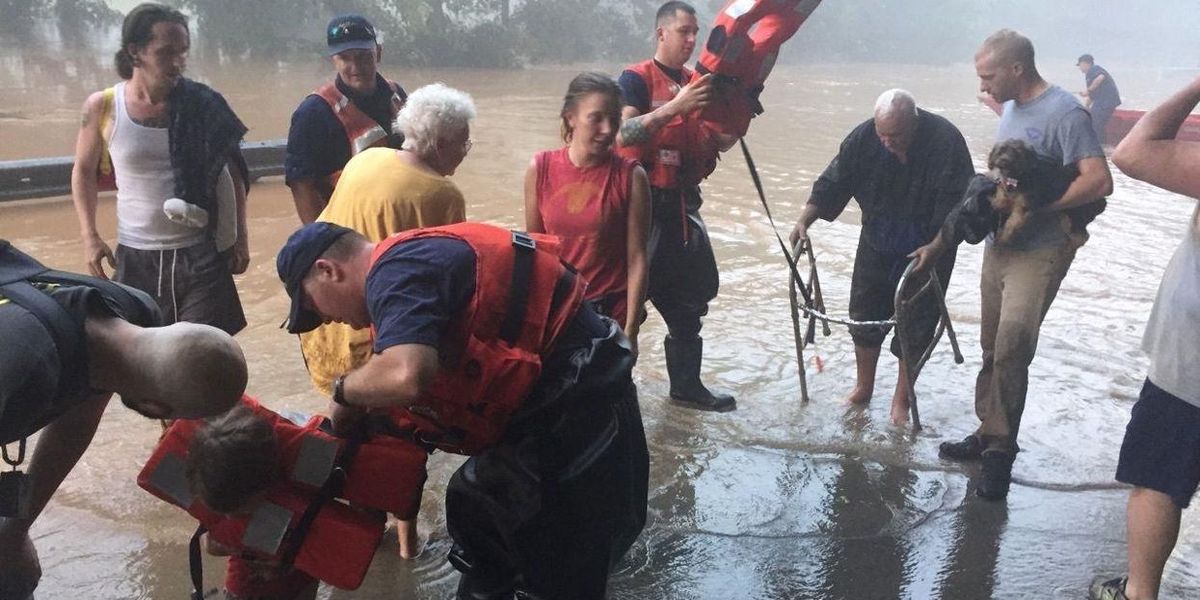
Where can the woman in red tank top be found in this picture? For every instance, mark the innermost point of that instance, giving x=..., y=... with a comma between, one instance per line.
x=596, y=201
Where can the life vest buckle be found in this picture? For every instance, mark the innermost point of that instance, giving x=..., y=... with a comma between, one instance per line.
x=523, y=240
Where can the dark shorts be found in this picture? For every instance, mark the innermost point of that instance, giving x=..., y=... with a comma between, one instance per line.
x=1161, y=450
x=873, y=291
x=190, y=284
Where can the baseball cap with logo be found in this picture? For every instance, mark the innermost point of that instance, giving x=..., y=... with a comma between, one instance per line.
x=349, y=32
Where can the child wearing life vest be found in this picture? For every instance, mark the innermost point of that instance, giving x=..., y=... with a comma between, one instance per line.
x=268, y=491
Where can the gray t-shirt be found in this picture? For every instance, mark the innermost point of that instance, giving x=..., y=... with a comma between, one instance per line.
x=1171, y=337
x=1058, y=127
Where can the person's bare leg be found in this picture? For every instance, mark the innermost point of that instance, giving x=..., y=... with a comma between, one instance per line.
x=406, y=534
x=866, y=358
x=900, y=396
x=1153, y=521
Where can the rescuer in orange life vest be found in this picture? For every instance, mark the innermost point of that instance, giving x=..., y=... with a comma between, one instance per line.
x=662, y=129
x=345, y=116
x=482, y=339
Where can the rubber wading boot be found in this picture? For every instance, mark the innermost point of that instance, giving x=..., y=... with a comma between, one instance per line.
x=683, y=367
x=997, y=474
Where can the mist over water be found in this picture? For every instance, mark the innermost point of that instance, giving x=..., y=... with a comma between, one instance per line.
x=778, y=499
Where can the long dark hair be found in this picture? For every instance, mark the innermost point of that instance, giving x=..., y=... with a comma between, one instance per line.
x=591, y=82
x=138, y=30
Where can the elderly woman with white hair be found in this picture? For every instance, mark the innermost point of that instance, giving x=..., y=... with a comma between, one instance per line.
x=383, y=191
x=906, y=168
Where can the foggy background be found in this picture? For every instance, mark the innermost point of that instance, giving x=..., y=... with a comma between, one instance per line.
x=512, y=33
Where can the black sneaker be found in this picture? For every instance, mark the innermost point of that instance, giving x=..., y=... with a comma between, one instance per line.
x=996, y=476
x=970, y=448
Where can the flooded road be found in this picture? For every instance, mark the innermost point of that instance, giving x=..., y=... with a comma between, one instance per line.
x=775, y=500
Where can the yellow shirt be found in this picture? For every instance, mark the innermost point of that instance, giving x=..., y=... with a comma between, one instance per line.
x=377, y=195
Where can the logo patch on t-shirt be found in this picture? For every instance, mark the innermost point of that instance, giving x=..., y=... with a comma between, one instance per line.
x=1033, y=134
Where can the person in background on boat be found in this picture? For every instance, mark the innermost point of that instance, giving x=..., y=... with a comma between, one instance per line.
x=384, y=191
x=661, y=128
x=174, y=146
x=70, y=343
x=1160, y=455
x=341, y=118
x=906, y=168
x=1101, y=93
x=483, y=338
x=1020, y=278
x=595, y=201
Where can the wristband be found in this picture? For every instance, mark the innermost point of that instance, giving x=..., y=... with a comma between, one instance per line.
x=339, y=391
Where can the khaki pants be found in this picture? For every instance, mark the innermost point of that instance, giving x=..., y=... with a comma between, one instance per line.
x=1016, y=287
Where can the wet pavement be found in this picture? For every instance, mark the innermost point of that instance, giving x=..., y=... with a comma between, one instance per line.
x=776, y=500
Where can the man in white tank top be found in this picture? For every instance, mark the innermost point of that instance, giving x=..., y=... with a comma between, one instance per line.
x=165, y=246
x=1160, y=456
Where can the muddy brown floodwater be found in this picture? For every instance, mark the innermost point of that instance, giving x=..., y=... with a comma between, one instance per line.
x=775, y=500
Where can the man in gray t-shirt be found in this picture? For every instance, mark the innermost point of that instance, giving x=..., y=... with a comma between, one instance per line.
x=1020, y=278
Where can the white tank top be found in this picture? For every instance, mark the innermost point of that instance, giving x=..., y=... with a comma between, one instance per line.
x=142, y=162
x=1173, y=333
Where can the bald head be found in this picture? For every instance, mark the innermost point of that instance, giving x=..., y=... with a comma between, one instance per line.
x=181, y=371
x=896, y=103
x=896, y=121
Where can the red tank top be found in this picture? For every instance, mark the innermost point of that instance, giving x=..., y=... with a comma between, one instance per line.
x=588, y=209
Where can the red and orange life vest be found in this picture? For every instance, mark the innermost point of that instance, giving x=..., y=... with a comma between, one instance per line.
x=742, y=48
x=496, y=346
x=683, y=152
x=386, y=474
x=362, y=131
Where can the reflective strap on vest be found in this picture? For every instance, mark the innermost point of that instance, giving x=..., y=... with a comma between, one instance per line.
x=331, y=488
x=368, y=138
x=267, y=528
x=518, y=291
x=170, y=477
x=316, y=460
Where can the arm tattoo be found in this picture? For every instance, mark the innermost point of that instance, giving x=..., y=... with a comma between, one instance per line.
x=87, y=118
x=634, y=132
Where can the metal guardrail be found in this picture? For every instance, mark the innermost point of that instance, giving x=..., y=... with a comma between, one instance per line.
x=47, y=177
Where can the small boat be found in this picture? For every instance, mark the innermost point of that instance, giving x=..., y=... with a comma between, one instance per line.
x=1122, y=121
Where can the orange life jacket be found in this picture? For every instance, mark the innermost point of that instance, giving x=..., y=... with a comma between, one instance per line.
x=494, y=349
x=682, y=153
x=741, y=50
x=362, y=131
x=385, y=473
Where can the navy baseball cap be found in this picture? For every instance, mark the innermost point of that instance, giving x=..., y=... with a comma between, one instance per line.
x=294, y=261
x=348, y=32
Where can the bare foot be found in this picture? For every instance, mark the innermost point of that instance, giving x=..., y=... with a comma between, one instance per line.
x=859, y=395
x=899, y=412
x=410, y=544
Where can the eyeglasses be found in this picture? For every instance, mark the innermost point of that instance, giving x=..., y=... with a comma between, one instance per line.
x=468, y=144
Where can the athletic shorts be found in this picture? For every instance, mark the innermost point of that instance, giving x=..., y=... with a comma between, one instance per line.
x=190, y=284
x=1161, y=450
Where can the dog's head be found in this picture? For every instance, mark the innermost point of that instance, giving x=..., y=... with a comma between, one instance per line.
x=1018, y=169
